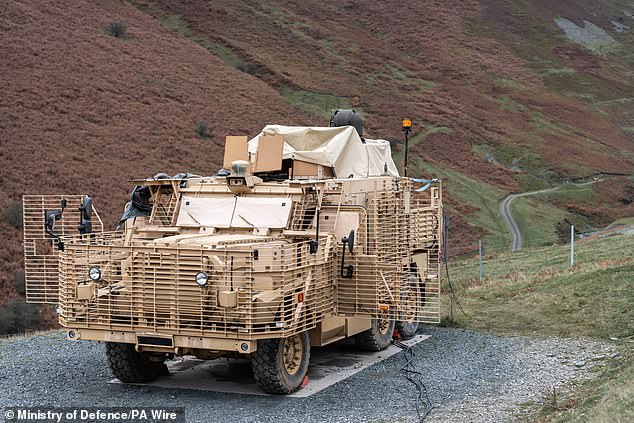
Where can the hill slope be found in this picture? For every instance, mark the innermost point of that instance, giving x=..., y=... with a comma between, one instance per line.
x=499, y=95
x=501, y=100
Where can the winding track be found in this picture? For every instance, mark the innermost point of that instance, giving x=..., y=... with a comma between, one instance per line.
x=505, y=211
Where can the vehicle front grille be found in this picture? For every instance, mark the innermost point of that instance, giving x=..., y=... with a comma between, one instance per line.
x=253, y=290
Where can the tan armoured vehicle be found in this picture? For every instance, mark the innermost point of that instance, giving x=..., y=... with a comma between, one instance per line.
x=312, y=237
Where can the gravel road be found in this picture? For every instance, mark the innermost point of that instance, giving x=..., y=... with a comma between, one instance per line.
x=470, y=376
x=505, y=211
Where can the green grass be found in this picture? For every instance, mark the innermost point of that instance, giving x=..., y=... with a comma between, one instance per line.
x=533, y=173
x=571, y=192
x=536, y=293
x=175, y=22
x=473, y=192
x=537, y=220
x=510, y=83
x=318, y=104
x=407, y=76
x=625, y=221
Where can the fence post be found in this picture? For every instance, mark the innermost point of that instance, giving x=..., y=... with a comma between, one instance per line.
x=572, y=245
x=480, y=254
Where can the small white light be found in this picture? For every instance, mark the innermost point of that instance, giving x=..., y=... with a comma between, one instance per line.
x=201, y=279
x=94, y=273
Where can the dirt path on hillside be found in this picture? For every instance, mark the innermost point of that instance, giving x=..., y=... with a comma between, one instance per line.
x=505, y=210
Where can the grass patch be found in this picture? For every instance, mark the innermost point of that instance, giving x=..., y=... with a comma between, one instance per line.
x=535, y=291
x=318, y=104
x=571, y=192
x=628, y=130
x=175, y=22
x=625, y=221
x=510, y=84
x=536, y=220
x=410, y=77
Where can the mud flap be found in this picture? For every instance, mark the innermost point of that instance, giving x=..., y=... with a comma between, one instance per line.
x=41, y=252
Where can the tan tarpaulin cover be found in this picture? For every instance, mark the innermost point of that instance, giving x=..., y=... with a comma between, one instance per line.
x=339, y=147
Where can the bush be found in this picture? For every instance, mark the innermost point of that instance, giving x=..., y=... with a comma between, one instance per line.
x=117, y=29
x=202, y=130
x=247, y=68
x=14, y=215
x=563, y=231
x=19, y=282
x=18, y=317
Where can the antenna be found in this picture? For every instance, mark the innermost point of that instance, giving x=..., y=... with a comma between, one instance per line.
x=407, y=128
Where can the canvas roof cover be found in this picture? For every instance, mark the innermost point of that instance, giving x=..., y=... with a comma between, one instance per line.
x=338, y=147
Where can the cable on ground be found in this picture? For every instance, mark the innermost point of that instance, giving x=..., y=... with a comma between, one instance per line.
x=423, y=403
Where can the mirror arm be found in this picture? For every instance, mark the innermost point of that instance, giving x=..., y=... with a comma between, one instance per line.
x=49, y=223
x=313, y=244
x=346, y=271
x=60, y=243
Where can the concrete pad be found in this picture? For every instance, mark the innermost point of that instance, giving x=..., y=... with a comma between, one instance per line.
x=328, y=365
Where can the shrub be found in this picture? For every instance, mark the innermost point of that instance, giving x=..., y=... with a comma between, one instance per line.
x=117, y=29
x=202, y=130
x=563, y=231
x=19, y=282
x=14, y=215
x=247, y=68
x=18, y=317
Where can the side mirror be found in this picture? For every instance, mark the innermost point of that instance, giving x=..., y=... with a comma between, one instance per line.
x=85, y=222
x=349, y=240
x=50, y=217
x=86, y=208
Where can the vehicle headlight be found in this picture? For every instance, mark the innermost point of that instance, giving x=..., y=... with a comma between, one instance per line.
x=201, y=279
x=94, y=273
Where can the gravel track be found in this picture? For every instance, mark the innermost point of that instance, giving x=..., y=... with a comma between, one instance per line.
x=470, y=376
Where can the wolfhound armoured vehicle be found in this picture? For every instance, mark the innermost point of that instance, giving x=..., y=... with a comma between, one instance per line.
x=309, y=238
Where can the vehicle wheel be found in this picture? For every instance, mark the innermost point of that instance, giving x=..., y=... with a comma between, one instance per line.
x=280, y=365
x=379, y=336
x=411, y=296
x=130, y=366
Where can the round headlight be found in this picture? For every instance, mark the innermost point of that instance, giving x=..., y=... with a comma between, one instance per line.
x=94, y=273
x=201, y=279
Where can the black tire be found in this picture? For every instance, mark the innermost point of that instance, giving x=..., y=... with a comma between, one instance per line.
x=129, y=366
x=412, y=297
x=407, y=330
x=378, y=337
x=273, y=373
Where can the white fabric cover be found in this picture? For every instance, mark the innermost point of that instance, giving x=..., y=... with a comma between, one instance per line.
x=234, y=212
x=339, y=147
x=211, y=212
x=261, y=212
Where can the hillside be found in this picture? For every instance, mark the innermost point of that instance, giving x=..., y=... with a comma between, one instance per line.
x=501, y=100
